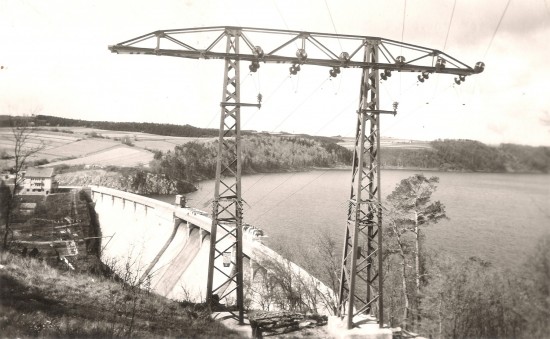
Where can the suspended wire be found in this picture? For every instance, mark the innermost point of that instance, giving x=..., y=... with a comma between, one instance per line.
x=403, y=24
x=297, y=82
x=449, y=28
x=337, y=87
x=208, y=194
x=445, y=45
x=288, y=116
x=286, y=198
x=280, y=14
x=383, y=85
x=283, y=18
x=409, y=114
x=255, y=203
x=300, y=105
x=268, y=97
x=497, y=28
x=333, y=25
x=293, y=174
x=255, y=182
x=336, y=116
x=272, y=190
x=402, y=37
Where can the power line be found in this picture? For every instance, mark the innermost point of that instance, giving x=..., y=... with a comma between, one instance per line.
x=497, y=28
x=337, y=115
x=288, y=116
x=449, y=28
x=282, y=18
x=300, y=105
x=403, y=25
x=402, y=36
x=333, y=25
x=445, y=44
x=276, y=187
x=416, y=109
x=285, y=199
x=267, y=99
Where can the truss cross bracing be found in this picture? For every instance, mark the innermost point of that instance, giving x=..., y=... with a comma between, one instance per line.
x=360, y=282
x=361, y=285
x=225, y=278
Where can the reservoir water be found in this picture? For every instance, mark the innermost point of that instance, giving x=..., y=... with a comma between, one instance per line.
x=497, y=217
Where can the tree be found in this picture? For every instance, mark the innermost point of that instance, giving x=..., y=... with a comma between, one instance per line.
x=398, y=243
x=534, y=289
x=23, y=148
x=411, y=202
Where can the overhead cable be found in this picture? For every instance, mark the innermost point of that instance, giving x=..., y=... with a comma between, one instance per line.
x=497, y=28
x=449, y=28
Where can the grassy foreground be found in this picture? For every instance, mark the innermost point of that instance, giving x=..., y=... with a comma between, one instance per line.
x=37, y=300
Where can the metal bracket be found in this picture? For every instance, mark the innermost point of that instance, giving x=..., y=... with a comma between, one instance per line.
x=239, y=104
x=377, y=111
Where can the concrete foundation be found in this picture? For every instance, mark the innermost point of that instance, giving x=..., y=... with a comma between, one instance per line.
x=229, y=321
x=366, y=328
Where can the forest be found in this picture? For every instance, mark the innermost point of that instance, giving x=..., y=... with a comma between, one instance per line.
x=433, y=293
x=445, y=155
x=470, y=156
x=441, y=296
x=195, y=161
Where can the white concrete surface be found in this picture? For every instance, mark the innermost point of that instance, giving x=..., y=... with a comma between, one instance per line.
x=139, y=229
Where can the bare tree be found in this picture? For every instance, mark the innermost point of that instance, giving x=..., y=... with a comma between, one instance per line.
x=23, y=148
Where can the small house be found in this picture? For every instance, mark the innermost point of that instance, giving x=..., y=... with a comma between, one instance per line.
x=39, y=181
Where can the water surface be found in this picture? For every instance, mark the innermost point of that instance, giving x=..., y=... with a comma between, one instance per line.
x=497, y=217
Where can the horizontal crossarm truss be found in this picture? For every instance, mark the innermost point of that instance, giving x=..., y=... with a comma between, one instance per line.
x=294, y=47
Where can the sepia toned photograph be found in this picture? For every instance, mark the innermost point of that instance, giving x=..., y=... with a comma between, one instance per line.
x=274, y=168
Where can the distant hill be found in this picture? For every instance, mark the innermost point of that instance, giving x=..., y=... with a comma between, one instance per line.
x=469, y=156
x=147, y=127
x=450, y=155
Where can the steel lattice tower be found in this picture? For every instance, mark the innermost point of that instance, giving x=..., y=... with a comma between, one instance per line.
x=361, y=280
x=227, y=205
x=362, y=257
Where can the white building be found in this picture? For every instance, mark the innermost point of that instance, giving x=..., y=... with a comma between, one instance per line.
x=38, y=181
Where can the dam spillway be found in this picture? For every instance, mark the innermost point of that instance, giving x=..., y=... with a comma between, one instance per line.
x=166, y=247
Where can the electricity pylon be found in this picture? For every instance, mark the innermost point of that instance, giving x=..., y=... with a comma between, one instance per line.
x=361, y=283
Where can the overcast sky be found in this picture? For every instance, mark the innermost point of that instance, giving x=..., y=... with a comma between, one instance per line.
x=55, y=57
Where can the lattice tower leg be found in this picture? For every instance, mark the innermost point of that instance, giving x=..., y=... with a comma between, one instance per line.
x=361, y=283
x=225, y=284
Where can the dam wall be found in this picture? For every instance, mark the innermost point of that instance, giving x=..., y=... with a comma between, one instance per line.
x=166, y=248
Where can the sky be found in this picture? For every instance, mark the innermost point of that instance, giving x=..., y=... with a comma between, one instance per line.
x=56, y=62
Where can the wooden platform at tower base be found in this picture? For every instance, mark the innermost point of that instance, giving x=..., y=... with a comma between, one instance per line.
x=367, y=328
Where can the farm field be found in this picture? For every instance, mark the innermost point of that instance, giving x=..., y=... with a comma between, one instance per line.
x=120, y=155
x=96, y=147
x=390, y=143
x=93, y=147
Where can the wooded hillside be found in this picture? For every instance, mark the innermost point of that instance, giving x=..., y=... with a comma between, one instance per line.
x=195, y=161
x=471, y=156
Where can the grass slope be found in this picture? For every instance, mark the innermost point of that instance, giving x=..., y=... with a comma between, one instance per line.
x=37, y=300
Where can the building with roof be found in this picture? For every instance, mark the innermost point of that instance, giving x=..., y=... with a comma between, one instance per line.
x=38, y=181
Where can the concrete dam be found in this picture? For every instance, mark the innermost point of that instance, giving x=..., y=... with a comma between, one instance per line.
x=166, y=248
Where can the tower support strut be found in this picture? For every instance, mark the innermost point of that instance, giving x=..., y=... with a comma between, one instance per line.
x=361, y=281
x=225, y=266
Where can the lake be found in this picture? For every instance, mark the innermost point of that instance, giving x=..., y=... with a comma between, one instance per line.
x=497, y=217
